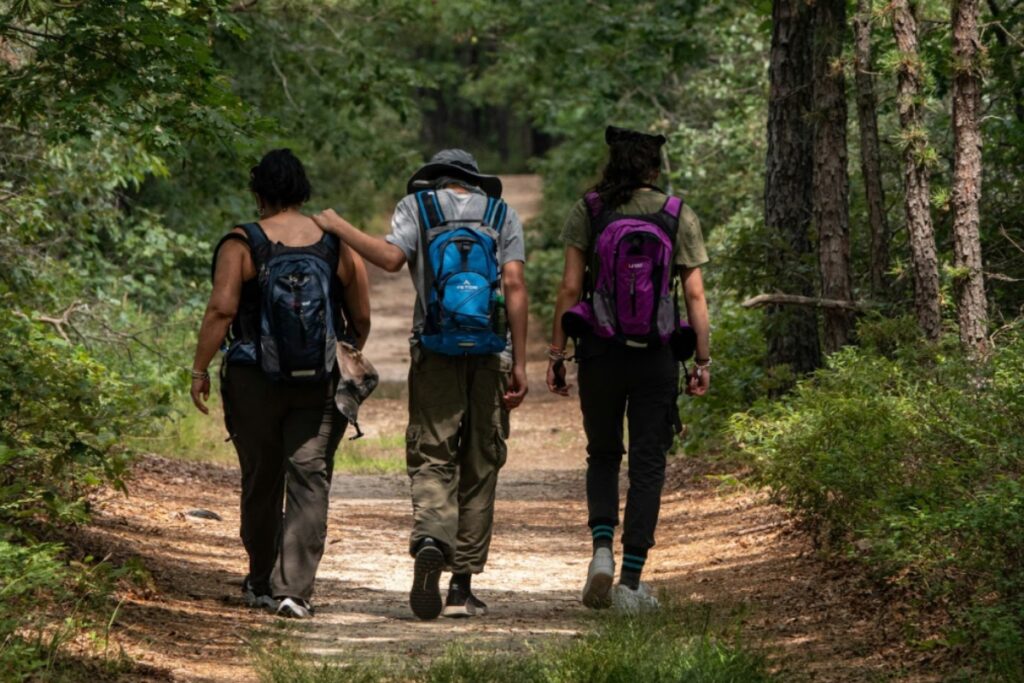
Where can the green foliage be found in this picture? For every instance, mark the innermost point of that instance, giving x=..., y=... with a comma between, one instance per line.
x=676, y=644
x=909, y=458
x=48, y=602
x=738, y=377
x=74, y=69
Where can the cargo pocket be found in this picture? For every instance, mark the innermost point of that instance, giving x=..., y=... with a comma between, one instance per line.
x=500, y=449
x=413, y=459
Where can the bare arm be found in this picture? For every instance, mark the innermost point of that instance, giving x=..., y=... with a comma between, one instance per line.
x=697, y=314
x=357, y=301
x=513, y=281
x=376, y=250
x=220, y=311
x=568, y=294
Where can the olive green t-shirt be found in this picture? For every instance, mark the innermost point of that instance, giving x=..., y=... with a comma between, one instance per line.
x=690, y=251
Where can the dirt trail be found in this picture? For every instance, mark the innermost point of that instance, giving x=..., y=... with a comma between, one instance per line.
x=730, y=550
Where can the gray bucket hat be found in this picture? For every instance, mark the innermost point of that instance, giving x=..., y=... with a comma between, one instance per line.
x=453, y=163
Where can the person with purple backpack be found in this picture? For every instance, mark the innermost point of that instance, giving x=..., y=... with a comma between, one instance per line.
x=628, y=247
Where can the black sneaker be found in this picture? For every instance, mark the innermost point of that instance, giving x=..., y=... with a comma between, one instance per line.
x=425, y=596
x=462, y=603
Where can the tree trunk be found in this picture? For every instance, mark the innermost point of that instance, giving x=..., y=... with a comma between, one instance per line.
x=969, y=284
x=870, y=149
x=831, y=181
x=915, y=172
x=792, y=332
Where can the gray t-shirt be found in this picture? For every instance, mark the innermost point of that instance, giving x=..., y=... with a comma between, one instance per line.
x=407, y=236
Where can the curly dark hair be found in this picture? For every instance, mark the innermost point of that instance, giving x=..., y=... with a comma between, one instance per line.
x=280, y=179
x=634, y=160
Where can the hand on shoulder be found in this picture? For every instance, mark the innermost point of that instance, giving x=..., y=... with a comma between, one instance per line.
x=328, y=220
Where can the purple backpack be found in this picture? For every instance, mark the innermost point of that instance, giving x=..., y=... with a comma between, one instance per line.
x=629, y=295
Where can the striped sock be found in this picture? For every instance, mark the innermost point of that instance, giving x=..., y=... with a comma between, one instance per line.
x=603, y=535
x=632, y=567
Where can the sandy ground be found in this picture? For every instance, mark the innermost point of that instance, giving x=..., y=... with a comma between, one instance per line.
x=730, y=550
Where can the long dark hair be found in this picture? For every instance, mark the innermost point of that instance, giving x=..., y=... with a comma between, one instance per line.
x=633, y=161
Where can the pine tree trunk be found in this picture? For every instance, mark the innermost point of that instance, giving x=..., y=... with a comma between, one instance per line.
x=870, y=149
x=831, y=181
x=915, y=172
x=792, y=332
x=969, y=284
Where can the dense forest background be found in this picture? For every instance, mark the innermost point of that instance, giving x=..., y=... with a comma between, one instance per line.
x=821, y=144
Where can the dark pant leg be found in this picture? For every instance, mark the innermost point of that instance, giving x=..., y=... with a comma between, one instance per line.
x=482, y=453
x=603, y=402
x=653, y=383
x=254, y=412
x=312, y=429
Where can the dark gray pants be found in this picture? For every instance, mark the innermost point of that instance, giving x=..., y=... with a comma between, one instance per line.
x=286, y=436
x=640, y=385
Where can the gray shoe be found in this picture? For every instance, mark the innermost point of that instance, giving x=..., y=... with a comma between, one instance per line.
x=599, y=579
x=294, y=608
x=630, y=601
x=257, y=600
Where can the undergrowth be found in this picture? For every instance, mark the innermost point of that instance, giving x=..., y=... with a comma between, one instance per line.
x=907, y=457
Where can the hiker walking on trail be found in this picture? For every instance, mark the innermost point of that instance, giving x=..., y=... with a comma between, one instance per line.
x=465, y=251
x=283, y=294
x=627, y=246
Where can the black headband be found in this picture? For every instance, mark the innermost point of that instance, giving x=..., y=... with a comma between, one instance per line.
x=613, y=134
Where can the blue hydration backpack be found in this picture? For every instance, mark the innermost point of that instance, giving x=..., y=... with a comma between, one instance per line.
x=297, y=315
x=465, y=309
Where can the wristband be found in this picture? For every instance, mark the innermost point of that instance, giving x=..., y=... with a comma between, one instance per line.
x=702, y=362
x=556, y=354
x=200, y=374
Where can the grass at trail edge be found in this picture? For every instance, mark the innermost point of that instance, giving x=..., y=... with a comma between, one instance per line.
x=674, y=644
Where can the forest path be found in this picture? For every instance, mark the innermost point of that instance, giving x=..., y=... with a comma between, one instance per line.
x=728, y=549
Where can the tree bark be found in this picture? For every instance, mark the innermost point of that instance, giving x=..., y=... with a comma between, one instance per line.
x=831, y=194
x=792, y=333
x=915, y=172
x=969, y=284
x=870, y=149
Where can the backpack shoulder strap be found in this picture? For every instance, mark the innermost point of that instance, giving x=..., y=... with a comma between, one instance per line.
x=673, y=206
x=594, y=204
x=430, y=211
x=495, y=214
x=230, y=237
x=259, y=243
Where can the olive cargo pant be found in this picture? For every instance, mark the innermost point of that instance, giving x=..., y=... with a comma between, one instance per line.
x=455, y=445
x=286, y=436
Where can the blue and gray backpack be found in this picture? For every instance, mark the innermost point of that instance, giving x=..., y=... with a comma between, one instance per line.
x=296, y=333
x=465, y=309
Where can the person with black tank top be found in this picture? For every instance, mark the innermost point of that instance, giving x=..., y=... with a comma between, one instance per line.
x=624, y=373
x=285, y=431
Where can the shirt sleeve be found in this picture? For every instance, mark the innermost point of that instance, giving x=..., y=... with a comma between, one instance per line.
x=513, y=245
x=690, y=250
x=576, y=231
x=405, y=229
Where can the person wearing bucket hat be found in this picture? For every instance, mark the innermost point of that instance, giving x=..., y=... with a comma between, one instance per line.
x=627, y=247
x=453, y=164
x=465, y=251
